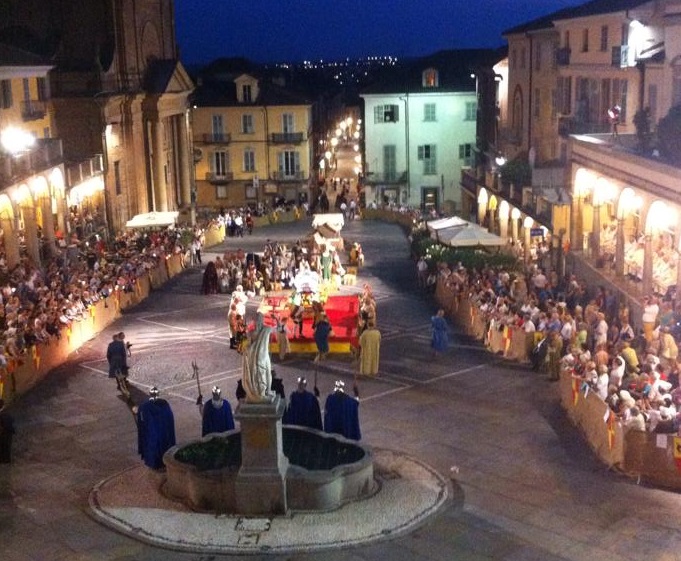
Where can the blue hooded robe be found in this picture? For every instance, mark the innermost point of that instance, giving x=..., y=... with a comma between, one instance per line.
x=217, y=419
x=155, y=431
x=303, y=410
x=341, y=415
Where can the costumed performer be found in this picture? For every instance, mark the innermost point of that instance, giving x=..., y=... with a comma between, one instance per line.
x=155, y=429
x=440, y=339
x=341, y=413
x=257, y=366
x=216, y=414
x=370, y=347
x=303, y=408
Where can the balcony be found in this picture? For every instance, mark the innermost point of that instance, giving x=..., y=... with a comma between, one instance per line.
x=563, y=56
x=33, y=110
x=47, y=153
x=386, y=178
x=282, y=176
x=287, y=137
x=569, y=125
x=217, y=138
x=219, y=178
x=79, y=172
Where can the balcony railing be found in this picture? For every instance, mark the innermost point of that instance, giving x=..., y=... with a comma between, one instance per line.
x=283, y=176
x=219, y=178
x=569, y=125
x=33, y=109
x=77, y=173
x=217, y=138
x=287, y=137
x=563, y=56
x=386, y=177
x=47, y=153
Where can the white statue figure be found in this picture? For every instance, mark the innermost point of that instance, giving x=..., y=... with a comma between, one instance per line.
x=257, y=367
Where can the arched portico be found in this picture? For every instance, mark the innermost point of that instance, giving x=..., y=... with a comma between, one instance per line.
x=9, y=234
x=27, y=214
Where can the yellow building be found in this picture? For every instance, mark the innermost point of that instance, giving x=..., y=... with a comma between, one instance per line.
x=31, y=161
x=252, y=142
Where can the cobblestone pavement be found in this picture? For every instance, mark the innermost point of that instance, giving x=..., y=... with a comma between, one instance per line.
x=525, y=486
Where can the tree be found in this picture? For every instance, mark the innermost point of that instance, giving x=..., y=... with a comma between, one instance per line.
x=669, y=136
x=517, y=172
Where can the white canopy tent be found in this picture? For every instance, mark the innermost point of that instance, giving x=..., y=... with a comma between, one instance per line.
x=449, y=222
x=153, y=220
x=470, y=236
x=334, y=221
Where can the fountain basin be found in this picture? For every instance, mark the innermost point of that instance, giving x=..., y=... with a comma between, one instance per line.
x=324, y=472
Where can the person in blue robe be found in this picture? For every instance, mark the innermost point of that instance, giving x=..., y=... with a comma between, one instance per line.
x=440, y=339
x=322, y=332
x=217, y=414
x=303, y=408
x=155, y=429
x=341, y=414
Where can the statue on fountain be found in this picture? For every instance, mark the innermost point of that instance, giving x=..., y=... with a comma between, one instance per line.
x=257, y=366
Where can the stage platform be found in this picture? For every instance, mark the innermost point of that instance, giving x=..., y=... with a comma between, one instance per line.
x=342, y=312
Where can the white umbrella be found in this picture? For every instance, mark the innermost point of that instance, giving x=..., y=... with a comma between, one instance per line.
x=450, y=231
x=449, y=222
x=153, y=220
x=472, y=236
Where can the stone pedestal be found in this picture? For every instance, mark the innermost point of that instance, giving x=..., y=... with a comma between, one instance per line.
x=261, y=483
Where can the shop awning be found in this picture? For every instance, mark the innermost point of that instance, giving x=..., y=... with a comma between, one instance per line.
x=446, y=223
x=153, y=220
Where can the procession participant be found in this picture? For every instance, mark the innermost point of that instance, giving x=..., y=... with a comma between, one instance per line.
x=216, y=415
x=440, y=337
x=282, y=336
x=232, y=325
x=303, y=408
x=370, y=346
x=341, y=413
x=322, y=332
x=117, y=357
x=155, y=429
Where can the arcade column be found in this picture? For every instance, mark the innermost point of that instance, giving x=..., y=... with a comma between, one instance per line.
x=619, y=248
x=31, y=233
x=10, y=239
x=648, y=264
x=596, y=233
x=184, y=157
x=160, y=198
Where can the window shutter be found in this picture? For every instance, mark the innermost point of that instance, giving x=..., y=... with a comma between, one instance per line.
x=462, y=151
x=296, y=159
x=420, y=152
x=396, y=113
x=280, y=160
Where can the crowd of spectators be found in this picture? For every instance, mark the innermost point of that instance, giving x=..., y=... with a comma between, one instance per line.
x=36, y=303
x=570, y=327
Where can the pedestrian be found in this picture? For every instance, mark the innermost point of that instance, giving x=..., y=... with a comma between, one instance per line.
x=303, y=408
x=6, y=434
x=422, y=272
x=352, y=209
x=195, y=250
x=282, y=336
x=440, y=338
x=370, y=347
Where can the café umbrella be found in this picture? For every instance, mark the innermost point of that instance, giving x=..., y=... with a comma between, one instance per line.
x=470, y=236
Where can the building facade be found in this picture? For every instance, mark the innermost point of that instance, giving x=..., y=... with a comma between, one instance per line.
x=119, y=90
x=253, y=143
x=420, y=130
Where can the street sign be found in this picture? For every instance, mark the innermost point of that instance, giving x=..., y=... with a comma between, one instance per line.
x=537, y=232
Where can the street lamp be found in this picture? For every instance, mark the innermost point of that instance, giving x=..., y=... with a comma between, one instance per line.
x=15, y=140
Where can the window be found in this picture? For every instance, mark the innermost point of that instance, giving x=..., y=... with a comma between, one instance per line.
x=471, y=111
x=564, y=95
x=247, y=124
x=246, y=93
x=625, y=34
x=566, y=40
x=585, y=40
x=249, y=160
x=536, y=110
x=42, y=89
x=390, y=162
x=218, y=130
x=430, y=78
x=386, y=114
x=604, y=38
x=27, y=90
x=537, y=57
x=429, y=112
x=46, y=132
x=652, y=103
x=5, y=94
x=117, y=178
x=289, y=163
x=221, y=191
x=426, y=153
x=220, y=163
x=287, y=126
x=466, y=155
